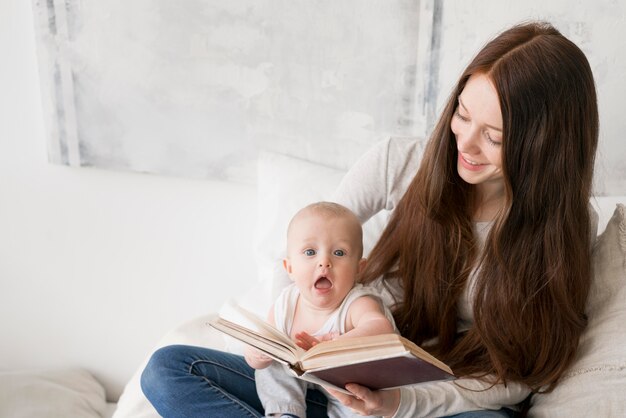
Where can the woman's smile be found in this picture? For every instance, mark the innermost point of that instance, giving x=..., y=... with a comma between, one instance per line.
x=469, y=164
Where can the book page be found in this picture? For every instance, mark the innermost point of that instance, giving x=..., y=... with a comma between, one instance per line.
x=314, y=379
x=345, y=357
x=268, y=330
x=355, y=344
x=419, y=352
x=275, y=349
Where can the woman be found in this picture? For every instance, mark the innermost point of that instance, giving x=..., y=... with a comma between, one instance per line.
x=487, y=252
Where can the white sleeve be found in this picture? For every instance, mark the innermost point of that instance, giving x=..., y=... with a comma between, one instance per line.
x=364, y=187
x=461, y=395
x=380, y=177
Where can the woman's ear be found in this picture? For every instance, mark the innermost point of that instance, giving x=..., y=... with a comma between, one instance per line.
x=362, y=264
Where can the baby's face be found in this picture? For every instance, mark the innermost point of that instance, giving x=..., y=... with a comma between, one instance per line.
x=323, y=258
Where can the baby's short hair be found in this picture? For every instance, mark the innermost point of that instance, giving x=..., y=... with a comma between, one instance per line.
x=332, y=210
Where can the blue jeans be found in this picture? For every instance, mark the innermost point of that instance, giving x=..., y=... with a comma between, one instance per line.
x=501, y=413
x=186, y=382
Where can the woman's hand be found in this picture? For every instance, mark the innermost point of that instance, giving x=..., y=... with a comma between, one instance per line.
x=366, y=402
x=306, y=341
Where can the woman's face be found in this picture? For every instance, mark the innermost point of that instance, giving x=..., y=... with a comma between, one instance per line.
x=477, y=126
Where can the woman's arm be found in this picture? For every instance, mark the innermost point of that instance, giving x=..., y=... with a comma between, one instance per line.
x=462, y=395
x=434, y=399
x=380, y=177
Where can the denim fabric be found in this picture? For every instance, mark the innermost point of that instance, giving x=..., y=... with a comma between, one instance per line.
x=501, y=413
x=184, y=381
x=192, y=382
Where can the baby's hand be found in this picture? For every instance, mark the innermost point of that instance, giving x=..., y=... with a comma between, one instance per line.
x=306, y=341
x=256, y=359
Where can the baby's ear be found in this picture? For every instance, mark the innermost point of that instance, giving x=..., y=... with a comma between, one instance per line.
x=362, y=264
x=287, y=265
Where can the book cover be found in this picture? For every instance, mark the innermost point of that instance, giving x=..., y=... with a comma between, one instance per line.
x=377, y=361
x=383, y=373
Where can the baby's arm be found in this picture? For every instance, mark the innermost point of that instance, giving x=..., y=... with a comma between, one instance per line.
x=366, y=317
x=256, y=358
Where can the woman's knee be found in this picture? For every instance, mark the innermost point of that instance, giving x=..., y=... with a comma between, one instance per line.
x=161, y=364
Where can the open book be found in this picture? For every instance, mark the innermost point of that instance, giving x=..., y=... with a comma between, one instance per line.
x=377, y=362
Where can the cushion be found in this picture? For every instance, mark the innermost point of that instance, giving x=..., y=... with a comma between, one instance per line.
x=595, y=384
x=284, y=185
x=51, y=394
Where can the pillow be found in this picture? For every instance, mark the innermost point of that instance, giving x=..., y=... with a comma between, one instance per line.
x=51, y=394
x=284, y=185
x=595, y=385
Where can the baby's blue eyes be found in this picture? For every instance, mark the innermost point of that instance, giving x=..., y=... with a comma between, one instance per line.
x=311, y=252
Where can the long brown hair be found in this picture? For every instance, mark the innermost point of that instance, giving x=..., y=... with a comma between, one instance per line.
x=533, y=275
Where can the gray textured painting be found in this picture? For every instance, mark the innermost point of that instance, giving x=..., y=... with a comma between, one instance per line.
x=197, y=88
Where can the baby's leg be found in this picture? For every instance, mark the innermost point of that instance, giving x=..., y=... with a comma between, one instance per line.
x=280, y=392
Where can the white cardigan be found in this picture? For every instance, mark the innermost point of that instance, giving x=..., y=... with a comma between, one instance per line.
x=377, y=182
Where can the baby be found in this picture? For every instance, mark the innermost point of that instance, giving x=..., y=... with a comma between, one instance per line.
x=324, y=302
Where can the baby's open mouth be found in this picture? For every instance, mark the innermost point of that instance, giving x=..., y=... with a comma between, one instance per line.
x=323, y=283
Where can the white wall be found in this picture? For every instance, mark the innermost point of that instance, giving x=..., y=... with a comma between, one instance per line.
x=94, y=264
